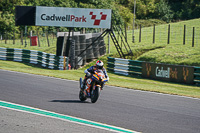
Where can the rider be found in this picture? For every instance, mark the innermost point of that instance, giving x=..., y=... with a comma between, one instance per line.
x=98, y=66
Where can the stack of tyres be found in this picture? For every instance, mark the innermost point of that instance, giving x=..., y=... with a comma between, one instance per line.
x=77, y=45
x=101, y=46
x=95, y=48
x=59, y=46
x=82, y=41
x=89, y=51
x=72, y=54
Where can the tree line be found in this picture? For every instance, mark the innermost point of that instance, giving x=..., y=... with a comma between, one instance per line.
x=162, y=10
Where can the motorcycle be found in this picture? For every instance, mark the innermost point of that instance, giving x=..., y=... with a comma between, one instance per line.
x=93, y=86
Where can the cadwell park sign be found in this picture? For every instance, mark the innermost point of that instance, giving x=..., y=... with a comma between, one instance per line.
x=73, y=17
x=63, y=17
x=175, y=73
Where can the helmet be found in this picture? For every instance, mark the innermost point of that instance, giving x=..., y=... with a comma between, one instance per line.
x=99, y=64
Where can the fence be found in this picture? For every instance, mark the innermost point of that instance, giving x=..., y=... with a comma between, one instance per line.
x=44, y=38
x=140, y=68
x=168, y=34
x=34, y=57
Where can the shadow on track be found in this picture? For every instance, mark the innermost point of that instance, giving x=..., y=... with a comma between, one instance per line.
x=69, y=101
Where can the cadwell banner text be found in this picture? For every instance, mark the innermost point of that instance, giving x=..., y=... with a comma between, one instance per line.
x=175, y=73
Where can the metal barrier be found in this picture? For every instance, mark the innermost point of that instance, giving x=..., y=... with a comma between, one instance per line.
x=197, y=75
x=131, y=67
x=34, y=57
x=124, y=66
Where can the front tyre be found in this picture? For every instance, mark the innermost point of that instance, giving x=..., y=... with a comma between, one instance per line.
x=95, y=94
x=80, y=82
x=82, y=96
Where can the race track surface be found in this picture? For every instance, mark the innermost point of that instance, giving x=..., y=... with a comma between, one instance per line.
x=131, y=109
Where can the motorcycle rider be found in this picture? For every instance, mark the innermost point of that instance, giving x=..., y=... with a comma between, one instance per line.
x=98, y=66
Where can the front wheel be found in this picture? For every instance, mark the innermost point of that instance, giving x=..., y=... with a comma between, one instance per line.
x=80, y=82
x=82, y=96
x=95, y=94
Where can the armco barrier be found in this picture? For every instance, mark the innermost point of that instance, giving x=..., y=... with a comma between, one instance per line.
x=197, y=75
x=131, y=67
x=124, y=66
x=34, y=57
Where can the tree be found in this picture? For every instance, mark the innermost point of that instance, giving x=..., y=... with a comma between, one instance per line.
x=126, y=15
x=6, y=22
x=163, y=11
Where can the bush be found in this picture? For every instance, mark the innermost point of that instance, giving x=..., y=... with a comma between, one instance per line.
x=149, y=22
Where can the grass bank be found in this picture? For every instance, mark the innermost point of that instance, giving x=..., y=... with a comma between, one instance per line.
x=160, y=51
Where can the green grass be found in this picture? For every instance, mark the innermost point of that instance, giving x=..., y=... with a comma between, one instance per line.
x=175, y=54
x=115, y=80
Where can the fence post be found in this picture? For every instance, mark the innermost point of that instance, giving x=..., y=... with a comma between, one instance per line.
x=168, y=41
x=47, y=38
x=154, y=31
x=53, y=35
x=184, y=34
x=140, y=33
x=25, y=35
x=22, y=37
x=38, y=39
x=108, y=43
x=13, y=37
x=30, y=34
x=82, y=31
x=193, y=36
x=5, y=38
x=125, y=32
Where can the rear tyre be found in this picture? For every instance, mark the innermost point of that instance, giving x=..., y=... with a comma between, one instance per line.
x=95, y=94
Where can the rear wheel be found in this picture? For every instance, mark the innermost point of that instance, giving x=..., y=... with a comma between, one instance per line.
x=95, y=94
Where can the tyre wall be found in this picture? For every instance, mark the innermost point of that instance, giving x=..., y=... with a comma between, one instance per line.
x=82, y=42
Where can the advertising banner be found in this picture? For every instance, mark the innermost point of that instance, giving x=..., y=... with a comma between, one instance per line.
x=174, y=73
x=73, y=17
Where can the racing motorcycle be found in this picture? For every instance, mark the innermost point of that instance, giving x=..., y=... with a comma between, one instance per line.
x=93, y=86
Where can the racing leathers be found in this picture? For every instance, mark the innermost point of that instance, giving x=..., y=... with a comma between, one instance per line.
x=91, y=71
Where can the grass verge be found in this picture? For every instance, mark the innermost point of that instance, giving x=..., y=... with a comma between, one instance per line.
x=115, y=80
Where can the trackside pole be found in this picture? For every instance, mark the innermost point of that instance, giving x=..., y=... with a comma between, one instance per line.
x=64, y=62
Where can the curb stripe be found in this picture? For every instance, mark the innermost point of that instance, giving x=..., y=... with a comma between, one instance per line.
x=28, y=109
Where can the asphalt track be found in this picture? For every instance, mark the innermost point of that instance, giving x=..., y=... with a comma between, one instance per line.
x=13, y=121
x=131, y=109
